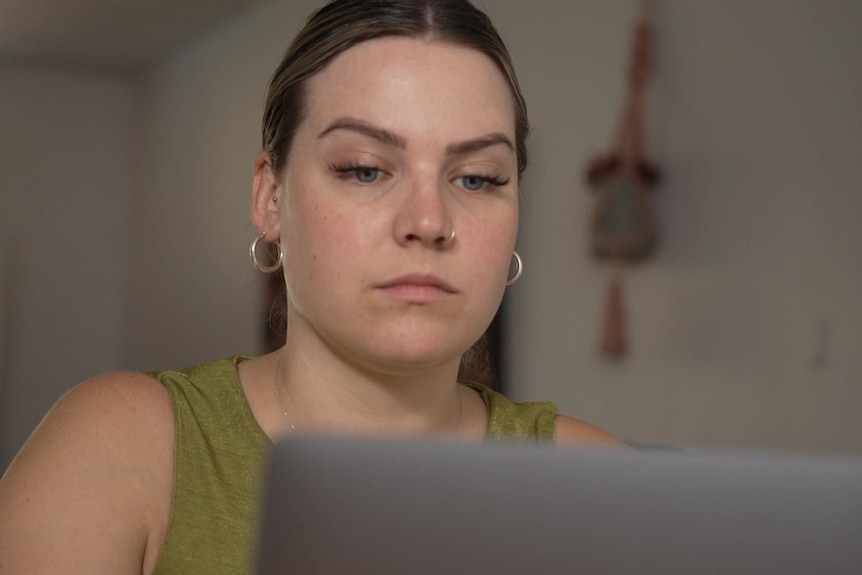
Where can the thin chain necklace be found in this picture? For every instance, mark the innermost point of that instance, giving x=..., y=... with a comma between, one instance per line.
x=293, y=427
x=278, y=395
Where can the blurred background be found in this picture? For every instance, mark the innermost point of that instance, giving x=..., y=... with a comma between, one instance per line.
x=128, y=128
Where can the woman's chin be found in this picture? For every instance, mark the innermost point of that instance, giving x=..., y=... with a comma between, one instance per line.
x=409, y=358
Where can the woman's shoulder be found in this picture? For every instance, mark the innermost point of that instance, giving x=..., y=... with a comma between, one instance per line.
x=574, y=432
x=118, y=390
x=120, y=409
x=127, y=407
x=539, y=419
x=92, y=484
x=507, y=419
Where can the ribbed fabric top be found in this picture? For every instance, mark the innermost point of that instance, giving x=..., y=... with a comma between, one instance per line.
x=220, y=454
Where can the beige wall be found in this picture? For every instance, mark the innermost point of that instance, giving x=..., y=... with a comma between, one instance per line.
x=64, y=190
x=758, y=123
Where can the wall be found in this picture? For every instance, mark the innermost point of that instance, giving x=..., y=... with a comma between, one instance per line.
x=193, y=294
x=744, y=329
x=64, y=190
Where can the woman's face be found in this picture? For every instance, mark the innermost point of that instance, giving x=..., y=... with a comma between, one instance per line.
x=404, y=141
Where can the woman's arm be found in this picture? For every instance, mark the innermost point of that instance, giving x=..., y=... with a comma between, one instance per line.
x=90, y=491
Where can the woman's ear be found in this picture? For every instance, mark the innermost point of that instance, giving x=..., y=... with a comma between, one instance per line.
x=265, y=198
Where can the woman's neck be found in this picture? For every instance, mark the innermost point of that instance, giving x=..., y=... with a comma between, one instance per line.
x=321, y=389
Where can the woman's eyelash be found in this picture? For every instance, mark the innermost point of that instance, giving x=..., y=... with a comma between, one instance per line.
x=357, y=171
x=344, y=168
x=476, y=182
x=347, y=168
x=495, y=180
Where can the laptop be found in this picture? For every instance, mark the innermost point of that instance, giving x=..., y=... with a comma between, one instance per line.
x=336, y=505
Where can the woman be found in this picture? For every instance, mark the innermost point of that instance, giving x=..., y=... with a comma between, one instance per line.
x=393, y=143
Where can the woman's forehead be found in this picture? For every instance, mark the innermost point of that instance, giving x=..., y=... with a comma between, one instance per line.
x=414, y=86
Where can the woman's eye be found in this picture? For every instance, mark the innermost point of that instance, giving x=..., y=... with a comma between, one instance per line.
x=475, y=183
x=359, y=174
x=366, y=175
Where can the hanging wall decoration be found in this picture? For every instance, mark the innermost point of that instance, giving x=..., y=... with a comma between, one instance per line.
x=623, y=228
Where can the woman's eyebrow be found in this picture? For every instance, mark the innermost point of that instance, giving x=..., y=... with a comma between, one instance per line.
x=392, y=139
x=480, y=143
x=366, y=129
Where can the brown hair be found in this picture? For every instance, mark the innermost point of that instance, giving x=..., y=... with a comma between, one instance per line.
x=341, y=24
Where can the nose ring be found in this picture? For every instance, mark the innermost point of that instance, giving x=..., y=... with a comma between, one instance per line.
x=451, y=237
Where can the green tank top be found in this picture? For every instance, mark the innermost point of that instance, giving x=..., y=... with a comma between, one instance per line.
x=220, y=453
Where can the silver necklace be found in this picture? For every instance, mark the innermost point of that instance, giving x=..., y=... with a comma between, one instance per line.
x=293, y=427
x=278, y=395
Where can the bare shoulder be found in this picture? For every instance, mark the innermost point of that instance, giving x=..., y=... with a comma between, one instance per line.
x=113, y=402
x=572, y=431
x=113, y=415
x=90, y=489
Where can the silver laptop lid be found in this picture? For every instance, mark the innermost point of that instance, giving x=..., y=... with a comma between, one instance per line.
x=384, y=506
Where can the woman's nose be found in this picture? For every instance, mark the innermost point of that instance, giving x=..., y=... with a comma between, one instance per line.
x=424, y=216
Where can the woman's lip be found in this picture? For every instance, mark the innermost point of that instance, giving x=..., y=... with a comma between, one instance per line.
x=417, y=288
x=419, y=281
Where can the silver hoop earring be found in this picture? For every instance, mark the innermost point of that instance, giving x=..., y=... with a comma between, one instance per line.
x=519, y=269
x=252, y=252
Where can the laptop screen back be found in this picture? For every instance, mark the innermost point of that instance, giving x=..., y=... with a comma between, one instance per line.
x=385, y=506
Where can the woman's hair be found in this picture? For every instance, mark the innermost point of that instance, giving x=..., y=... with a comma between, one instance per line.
x=342, y=24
